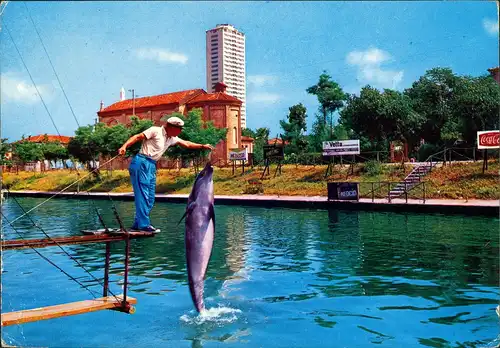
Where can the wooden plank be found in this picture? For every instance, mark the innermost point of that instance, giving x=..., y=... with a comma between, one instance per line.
x=101, y=231
x=113, y=231
x=63, y=310
x=42, y=243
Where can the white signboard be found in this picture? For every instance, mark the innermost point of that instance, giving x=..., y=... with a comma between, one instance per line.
x=341, y=147
x=488, y=139
x=241, y=155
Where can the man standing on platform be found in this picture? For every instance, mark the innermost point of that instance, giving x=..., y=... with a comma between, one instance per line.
x=142, y=168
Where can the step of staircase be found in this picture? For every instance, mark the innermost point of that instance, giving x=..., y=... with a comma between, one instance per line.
x=413, y=178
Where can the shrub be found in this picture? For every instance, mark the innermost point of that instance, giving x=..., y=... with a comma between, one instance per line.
x=373, y=168
x=425, y=151
x=254, y=187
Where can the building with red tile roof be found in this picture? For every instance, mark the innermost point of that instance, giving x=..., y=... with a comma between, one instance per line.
x=277, y=141
x=219, y=107
x=247, y=143
x=42, y=138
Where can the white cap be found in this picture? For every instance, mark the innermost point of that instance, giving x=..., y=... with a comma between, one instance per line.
x=175, y=121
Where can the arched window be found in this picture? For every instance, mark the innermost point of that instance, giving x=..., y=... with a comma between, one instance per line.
x=112, y=122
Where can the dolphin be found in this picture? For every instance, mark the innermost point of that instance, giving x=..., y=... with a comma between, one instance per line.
x=199, y=233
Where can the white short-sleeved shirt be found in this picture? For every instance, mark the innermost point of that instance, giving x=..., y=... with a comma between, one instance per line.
x=156, y=142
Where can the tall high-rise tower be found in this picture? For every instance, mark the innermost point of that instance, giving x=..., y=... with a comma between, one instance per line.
x=226, y=63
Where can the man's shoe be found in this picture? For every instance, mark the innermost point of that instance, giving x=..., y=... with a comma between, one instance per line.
x=150, y=229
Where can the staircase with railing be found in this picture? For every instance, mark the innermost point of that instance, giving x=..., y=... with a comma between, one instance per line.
x=415, y=177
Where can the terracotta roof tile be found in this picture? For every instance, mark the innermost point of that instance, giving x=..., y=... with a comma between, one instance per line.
x=245, y=138
x=162, y=99
x=277, y=141
x=50, y=138
x=219, y=96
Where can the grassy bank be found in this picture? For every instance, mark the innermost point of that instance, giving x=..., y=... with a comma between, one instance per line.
x=458, y=181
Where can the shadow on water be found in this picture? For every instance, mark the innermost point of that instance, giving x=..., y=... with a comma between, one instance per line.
x=399, y=279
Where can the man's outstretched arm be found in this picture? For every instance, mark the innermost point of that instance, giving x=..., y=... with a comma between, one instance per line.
x=132, y=140
x=194, y=146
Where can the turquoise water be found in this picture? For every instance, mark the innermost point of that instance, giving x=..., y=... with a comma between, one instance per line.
x=277, y=278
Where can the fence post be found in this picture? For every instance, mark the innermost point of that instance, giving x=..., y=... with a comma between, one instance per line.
x=406, y=193
x=474, y=153
x=378, y=156
x=424, y=190
x=389, y=192
x=373, y=194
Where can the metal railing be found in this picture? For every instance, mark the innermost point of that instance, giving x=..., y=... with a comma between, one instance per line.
x=382, y=190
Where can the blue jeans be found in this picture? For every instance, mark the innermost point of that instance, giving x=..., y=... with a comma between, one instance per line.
x=142, y=171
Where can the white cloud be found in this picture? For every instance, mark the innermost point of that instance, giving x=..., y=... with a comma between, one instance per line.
x=161, y=55
x=491, y=26
x=261, y=80
x=18, y=90
x=369, y=68
x=266, y=98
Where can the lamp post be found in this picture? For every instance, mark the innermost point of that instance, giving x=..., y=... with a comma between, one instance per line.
x=133, y=101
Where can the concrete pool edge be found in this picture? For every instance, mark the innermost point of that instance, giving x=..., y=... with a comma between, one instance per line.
x=471, y=207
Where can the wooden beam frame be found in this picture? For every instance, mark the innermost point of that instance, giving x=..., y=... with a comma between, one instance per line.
x=42, y=243
x=121, y=303
x=63, y=310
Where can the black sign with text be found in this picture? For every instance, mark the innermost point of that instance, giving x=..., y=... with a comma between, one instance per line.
x=346, y=191
x=274, y=152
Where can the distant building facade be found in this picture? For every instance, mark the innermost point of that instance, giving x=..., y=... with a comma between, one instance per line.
x=221, y=108
x=225, y=60
x=40, y=166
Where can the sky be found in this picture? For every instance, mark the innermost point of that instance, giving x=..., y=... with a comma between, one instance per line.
x=159, y=47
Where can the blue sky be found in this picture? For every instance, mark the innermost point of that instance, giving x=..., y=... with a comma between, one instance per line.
x=96, y=49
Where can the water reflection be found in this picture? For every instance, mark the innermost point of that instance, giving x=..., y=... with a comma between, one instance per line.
x=307, y=270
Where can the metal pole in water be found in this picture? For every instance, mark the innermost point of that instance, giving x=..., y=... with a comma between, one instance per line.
x=125, y=280
x=106, y=271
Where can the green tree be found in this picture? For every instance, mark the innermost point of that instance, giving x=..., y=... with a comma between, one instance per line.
x=330, y=96
x=380, y=117
x=320, y=133
x=340, y=132
x=247, y=132
x=136, y=126
x=5, y=148
x=294, y=129
x=432, y=96
x=260, y=137
x=476, y=106
x=55, y=151
x=85, y=145
x=26, y=151
x=198, y=131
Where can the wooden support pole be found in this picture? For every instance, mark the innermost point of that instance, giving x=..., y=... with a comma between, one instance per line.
x=106, y=269
x=125, y=278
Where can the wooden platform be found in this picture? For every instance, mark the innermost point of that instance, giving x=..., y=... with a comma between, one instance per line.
x=64, y=310
x=100, y=238
x=112, y=231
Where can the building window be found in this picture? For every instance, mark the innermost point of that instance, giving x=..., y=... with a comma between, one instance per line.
x=234, y=135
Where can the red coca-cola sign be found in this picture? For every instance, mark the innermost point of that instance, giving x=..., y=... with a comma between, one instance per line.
x=488, y=140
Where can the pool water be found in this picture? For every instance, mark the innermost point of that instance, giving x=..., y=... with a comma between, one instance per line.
x=277, y=278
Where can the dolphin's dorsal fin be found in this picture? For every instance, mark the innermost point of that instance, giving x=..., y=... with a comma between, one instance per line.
x=189, y=208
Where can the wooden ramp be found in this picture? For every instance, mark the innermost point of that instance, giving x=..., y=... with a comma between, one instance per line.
x=63, y=310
